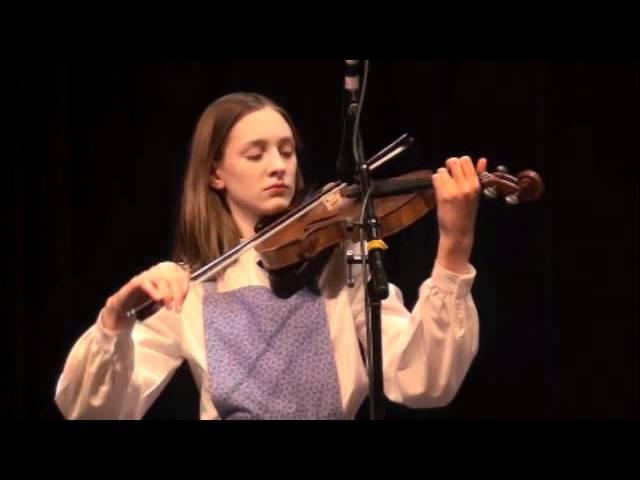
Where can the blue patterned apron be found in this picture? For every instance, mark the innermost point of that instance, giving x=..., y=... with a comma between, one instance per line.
x=270, y=358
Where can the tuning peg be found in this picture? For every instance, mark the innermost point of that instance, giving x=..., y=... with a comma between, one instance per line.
x=512, y=199
x=490, y=192
x=502, y=169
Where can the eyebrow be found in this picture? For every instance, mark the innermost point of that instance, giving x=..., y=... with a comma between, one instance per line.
x=261, y=143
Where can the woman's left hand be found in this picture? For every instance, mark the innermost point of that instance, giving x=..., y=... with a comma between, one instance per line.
x=457, y=191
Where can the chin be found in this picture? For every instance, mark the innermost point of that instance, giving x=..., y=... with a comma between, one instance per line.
x=276, y=206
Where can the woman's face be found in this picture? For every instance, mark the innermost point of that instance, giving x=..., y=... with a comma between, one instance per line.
x=258, y=171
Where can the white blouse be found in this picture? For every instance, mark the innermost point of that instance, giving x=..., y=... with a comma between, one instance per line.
x=426, y=351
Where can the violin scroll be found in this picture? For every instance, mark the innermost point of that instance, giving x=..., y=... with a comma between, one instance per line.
x=527, y=186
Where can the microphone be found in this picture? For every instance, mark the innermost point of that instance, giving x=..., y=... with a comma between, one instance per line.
x=352, y=78
x=346, y=164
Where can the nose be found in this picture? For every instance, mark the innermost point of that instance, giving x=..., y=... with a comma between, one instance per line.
x=277, y=164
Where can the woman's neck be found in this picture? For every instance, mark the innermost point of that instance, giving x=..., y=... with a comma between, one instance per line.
x=245, y=222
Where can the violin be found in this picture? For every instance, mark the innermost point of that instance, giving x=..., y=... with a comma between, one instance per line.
x=399, y=202
x=295, y=245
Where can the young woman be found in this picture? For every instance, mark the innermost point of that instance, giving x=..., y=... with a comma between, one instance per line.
x=255, y=355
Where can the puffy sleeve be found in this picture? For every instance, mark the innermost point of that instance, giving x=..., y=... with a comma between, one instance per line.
x=118, y=375
x=427, y=351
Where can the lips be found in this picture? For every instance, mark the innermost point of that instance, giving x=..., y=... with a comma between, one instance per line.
x=279, y=186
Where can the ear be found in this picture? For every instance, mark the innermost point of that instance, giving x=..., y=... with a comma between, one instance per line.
x=215, y=181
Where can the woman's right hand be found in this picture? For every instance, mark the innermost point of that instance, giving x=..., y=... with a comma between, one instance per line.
x=166, y=283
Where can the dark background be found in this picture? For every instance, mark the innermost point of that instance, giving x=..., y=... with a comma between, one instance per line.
x=96, y=151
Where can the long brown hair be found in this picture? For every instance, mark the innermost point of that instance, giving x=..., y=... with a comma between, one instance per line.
x=205, y=227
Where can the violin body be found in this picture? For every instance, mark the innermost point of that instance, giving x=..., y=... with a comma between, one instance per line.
x=337, y=219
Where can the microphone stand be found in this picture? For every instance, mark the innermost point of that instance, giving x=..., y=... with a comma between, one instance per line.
x=376, y=291
x=371, y=258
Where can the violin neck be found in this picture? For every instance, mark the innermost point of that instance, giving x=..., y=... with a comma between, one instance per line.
x=389, y=187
